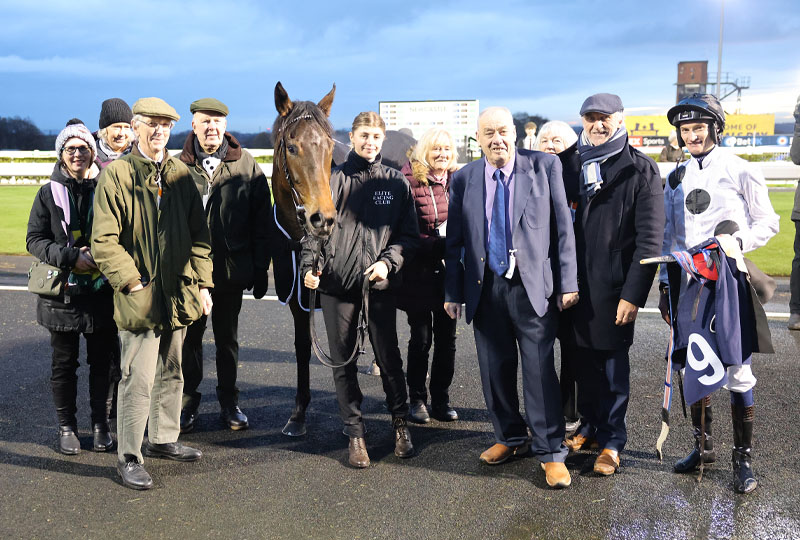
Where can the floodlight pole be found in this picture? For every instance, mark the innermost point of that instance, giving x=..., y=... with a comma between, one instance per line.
x=719, y=49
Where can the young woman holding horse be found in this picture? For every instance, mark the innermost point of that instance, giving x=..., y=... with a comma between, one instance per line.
x=375, y=233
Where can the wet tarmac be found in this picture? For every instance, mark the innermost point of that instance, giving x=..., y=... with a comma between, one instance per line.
x=259, y=483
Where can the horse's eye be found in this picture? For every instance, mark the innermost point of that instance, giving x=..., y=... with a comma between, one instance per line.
x=292, y=149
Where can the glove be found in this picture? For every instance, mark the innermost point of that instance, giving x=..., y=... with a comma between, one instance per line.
x=260, y=284
x=663, y=303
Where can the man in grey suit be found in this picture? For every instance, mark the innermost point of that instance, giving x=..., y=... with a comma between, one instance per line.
x=509, y=214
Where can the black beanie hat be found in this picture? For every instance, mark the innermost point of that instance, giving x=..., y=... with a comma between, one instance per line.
x=114, y=110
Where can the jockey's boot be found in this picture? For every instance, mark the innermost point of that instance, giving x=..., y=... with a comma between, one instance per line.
x=691, y=462
x=743, y=479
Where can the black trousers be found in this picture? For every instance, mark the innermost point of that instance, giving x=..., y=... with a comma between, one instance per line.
x=225, y=325
x=794, y=280
x=505, y=321
x=431, y=328
x=102, y=356
x=603, y=393
x=341, y=320
x=569, y=380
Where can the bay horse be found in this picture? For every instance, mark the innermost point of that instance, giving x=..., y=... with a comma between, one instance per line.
x=301, y=173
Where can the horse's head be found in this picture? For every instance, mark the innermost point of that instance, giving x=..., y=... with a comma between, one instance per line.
x=301, y=171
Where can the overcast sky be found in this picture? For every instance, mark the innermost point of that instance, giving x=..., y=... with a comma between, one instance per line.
x=540, y=57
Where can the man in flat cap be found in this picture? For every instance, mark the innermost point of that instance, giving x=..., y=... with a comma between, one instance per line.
x=619, y=220
x=237, y=205
x=151, y=241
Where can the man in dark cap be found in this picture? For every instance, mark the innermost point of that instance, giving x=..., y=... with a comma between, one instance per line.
x=151, y=241
x=114, y=136
x=237, y=205
x=619, y=220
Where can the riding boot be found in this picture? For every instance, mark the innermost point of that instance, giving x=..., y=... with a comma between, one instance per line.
x=743, y=479
x=692, y=462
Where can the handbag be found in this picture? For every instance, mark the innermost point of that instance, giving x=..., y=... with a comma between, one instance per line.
x=45, y=279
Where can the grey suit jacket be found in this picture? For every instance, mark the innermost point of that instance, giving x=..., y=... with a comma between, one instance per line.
x=542, y=232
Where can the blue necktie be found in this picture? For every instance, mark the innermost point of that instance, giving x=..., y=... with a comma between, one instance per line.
x=498, y=250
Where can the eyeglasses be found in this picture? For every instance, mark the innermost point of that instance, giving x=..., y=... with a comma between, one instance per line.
x=70, y=150
x=165, y=126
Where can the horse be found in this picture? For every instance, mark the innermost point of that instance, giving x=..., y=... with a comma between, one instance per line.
x=301, y=172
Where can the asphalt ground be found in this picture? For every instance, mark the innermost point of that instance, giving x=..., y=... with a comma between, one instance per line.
x=259, y=483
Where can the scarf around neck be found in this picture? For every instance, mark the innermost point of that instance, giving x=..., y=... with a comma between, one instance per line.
x=210, y=162
x=593, y=156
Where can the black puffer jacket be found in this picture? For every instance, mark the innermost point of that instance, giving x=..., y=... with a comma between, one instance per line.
x=375, y=220
x=47, y=241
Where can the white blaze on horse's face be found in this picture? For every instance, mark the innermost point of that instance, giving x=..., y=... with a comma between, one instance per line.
x=367, y=141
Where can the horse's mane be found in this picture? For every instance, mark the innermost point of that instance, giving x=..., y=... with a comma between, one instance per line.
x=301, y=108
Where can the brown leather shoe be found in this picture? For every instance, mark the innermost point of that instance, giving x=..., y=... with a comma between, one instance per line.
x=578, y=441
x=607, y=463
x=556, y=474
x=500, y=453
x=358, y=453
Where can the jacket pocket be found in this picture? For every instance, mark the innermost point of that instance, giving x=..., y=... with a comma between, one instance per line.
x=547, y=275
x=188, y=304
x=135, y=311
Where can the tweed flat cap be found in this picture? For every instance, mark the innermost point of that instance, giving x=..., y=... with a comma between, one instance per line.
x=602, y=103
x=209, y=104
x=153, y=106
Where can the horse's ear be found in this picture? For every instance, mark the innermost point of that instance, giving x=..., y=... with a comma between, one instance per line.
x=326, y=102
x=282, y=101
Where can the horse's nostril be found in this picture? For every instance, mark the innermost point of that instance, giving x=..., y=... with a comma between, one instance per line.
x=329, y=222
x=316, y=219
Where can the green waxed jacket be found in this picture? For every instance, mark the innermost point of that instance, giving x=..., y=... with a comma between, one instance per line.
x=165, y=246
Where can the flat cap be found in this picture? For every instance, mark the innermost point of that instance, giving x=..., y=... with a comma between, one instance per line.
x=209, y=104
x=602, y=103
x=153, y=106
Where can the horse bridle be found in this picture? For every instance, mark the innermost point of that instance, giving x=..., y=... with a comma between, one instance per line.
x=300, y=210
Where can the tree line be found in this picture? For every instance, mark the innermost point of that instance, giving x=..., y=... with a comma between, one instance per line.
x=22, y=134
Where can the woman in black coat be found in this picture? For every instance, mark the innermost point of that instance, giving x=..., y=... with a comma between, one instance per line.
x=376, y=232
x=59, y=234
x=421, y=295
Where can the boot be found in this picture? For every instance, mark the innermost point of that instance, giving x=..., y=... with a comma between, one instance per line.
x=402, y=439
x=68, y=442
x=102, y=441
x=691, y=462
x=101, y=409
x=743, y=479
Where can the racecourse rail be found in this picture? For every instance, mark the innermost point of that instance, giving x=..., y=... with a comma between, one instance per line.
x=14, y=172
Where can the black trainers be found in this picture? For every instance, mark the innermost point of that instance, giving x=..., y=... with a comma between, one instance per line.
x=174, y=451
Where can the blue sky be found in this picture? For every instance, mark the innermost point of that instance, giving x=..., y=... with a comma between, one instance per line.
x=60, y=59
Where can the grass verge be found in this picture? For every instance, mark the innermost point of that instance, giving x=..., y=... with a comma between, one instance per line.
x=775, y=258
